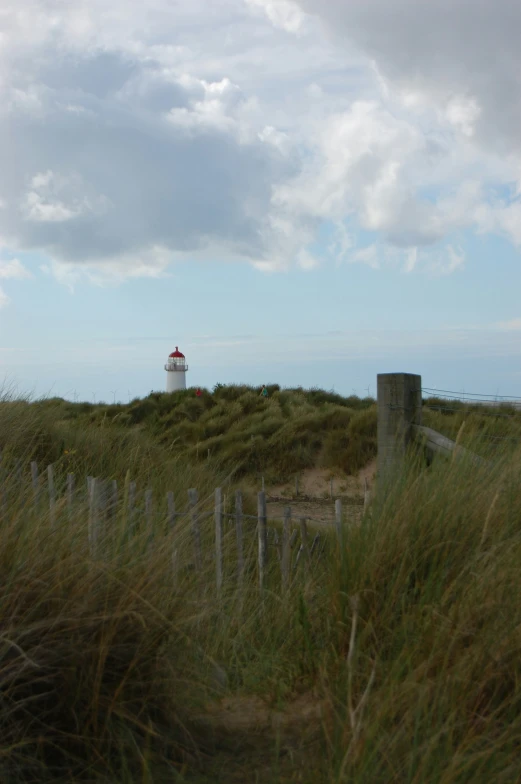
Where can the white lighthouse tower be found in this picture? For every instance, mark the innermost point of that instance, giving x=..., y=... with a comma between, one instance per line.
x=176, y=368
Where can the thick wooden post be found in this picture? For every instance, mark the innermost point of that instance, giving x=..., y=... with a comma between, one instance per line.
x=399, y=407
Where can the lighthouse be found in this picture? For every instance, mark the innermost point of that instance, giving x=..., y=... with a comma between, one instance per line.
x=176, y=368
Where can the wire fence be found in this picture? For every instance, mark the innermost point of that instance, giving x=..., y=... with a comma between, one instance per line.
x=475, y=403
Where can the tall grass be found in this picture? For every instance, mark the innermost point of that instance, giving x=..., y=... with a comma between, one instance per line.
x=408, y=636
x=243, y=432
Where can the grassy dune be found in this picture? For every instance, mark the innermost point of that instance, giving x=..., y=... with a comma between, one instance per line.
x=393, y=658
x=288, y=431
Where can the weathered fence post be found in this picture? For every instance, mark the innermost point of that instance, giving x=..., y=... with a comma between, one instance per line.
x=338, y=519
x=218, y=517
x=93, y=516
x=238, y=532
x=52, y=495
x=196, y=530
x=170, y=503
x=35, y=483
x=331, y=487
x=262, y=526
x=131, y=508
x=296, y=486
x=304, y=537
x=70, y=493
x=286, y=546
x=3, y=493
x=18, y=471
x=114, y=498
x=304, y=546
x=367, y=495
x=171, y=516
x=399, y=407
x=149, y=515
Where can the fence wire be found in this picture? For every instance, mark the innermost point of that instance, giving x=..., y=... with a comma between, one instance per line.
x=462, y=395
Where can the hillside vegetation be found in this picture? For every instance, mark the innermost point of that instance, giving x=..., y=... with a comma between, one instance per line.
x=395, y=656
x=241, y=431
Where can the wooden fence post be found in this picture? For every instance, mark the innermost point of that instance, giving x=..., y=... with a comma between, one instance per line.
x=93, y=516
x=114, y=498
x=35, y=482
x=149, y=512
x=296, y=486
x=170, y=505
x=238, y=532
x=196, y=530
x=218, y=517
x=70, y=494
x=262, y=527
x=304, y=537
x=304, y=547
x=399, y=407
x=367, y=495
x=338, y=519
x=131, y=508
x=18, y=471
x=52, y=495
x=3, y=493
x=286, y=546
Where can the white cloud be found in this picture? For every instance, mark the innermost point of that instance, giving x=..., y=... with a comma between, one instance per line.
x=146, y=133
x=463, y=114
x=4, y=299
x=282, y=13
x=372, y=165
x=13, y=269
x=306, y=260
x=368, y=255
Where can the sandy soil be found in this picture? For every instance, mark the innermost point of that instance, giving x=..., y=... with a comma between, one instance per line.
x=315, y=482
x=314, y=501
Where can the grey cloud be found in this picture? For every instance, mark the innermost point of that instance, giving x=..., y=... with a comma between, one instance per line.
x=98, y=74
x=137, y=179
x=467, y=48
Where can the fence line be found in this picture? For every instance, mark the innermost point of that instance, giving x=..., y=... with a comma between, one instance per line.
x=117, y=518
x=460, y=395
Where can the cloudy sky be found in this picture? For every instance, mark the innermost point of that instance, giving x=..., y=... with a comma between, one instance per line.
x=301, y=191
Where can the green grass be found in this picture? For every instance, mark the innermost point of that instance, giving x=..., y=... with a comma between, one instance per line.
x=243, y=432
x=409, y=636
